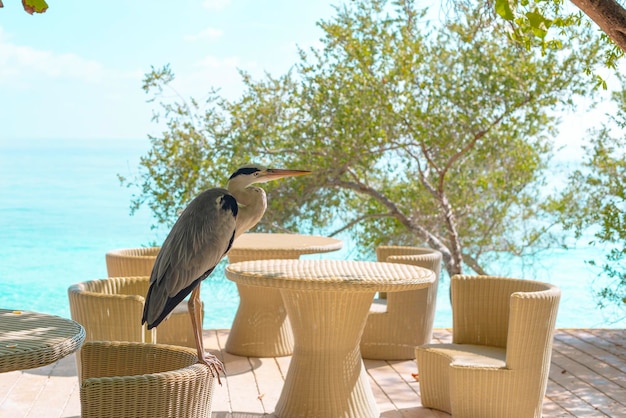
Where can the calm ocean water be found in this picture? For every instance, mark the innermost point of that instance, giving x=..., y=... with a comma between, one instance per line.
x=62, y=208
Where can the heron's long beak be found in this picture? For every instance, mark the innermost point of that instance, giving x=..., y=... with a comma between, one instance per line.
x=278, y=173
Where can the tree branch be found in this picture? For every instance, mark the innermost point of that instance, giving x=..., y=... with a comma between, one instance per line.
x=471, y=262
x=609, y=15
x=358, y=220
x=384, y=200
x=395, y=212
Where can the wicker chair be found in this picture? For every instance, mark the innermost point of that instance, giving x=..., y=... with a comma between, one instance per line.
x=131, y=262
x=404, y=320
x=498, y=362
x=111, y=310
x=124, y=379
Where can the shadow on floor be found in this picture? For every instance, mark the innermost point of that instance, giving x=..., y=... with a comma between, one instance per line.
x=240, y=365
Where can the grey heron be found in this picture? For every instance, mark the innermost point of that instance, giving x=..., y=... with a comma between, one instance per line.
x=200, y=238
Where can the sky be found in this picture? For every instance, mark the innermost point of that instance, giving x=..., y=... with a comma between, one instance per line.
x=75, y=71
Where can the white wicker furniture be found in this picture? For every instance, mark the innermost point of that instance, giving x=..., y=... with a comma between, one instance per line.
x=498, y=362
x=261, y=327
x=125, y=379
x=327, y=302
x=403, y=320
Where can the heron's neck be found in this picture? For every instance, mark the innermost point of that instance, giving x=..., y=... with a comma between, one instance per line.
x=252, y=204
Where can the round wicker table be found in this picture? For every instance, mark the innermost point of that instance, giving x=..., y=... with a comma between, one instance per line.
x=327, y=302
x=261, y=327
x=30, y=339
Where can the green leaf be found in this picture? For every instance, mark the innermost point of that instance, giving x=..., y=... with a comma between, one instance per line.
x=34, y=6
x=539, y=24
x=504, y=9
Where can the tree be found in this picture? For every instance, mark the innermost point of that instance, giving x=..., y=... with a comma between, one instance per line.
x=416, y=135
x=603, y=206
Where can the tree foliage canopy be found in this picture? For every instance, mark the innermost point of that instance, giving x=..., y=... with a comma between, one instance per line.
x=602, y=207
x=416, y=134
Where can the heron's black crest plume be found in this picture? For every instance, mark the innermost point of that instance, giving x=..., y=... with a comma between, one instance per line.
x=244, y=171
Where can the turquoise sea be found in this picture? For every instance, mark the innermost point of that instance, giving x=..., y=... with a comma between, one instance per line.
x=62, y=208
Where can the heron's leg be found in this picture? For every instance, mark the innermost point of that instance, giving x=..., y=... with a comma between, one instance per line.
x=195, y=311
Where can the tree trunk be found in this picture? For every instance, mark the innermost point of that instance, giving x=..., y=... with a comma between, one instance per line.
x=609, y=15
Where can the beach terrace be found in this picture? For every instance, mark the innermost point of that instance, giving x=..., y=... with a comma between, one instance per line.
x=587, y=379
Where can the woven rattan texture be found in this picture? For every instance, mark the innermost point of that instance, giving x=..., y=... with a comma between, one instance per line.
x=409, y=316
x=143, y=380
x=131, y=262
x=499, y=360
x=30, y=339
x=111, y=310
x=261, y=246
x=261, y=327
x=330, y=275
x=327, y=302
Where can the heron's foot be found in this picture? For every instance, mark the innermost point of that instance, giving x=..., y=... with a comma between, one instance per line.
x=216, y=367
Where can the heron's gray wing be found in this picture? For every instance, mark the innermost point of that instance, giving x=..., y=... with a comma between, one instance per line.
x=197, y=242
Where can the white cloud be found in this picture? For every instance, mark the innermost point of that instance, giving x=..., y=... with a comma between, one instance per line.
x=205, y=34
x=22, y=65
x=18, y=62
x=215, y=4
